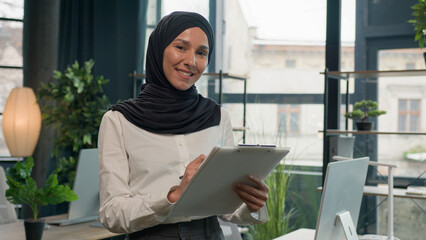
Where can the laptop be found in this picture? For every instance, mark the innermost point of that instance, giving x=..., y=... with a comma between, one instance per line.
x=86, y=186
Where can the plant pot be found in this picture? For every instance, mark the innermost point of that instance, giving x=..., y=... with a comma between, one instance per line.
x=364, y=126
x=34, y=230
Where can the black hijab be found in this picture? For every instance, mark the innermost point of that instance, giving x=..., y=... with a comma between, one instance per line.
x=160, y=107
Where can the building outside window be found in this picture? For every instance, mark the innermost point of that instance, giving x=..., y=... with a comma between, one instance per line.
x=288, y=118
x=290, y=63
x=408, y=115
x=410, y=66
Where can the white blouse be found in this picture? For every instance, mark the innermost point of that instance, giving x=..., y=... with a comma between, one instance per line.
x=138, y=168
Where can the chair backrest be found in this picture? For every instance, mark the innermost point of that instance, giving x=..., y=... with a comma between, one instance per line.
x=7, y=210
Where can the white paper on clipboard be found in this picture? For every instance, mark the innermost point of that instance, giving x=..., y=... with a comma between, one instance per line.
x=210, y=190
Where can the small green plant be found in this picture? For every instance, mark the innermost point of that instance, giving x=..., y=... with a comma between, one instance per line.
x=419, y=23
x=23, y=188
x=278, y=182
x=364, y=109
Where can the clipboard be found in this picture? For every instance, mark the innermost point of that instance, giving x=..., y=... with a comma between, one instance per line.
x=210, y=190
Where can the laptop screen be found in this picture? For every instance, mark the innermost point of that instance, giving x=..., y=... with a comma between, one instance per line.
x=86, y=186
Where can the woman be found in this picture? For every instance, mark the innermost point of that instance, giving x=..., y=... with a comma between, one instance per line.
x=151, y=146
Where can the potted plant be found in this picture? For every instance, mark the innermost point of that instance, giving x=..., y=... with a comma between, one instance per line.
x=77, y=106
x=363, y=110
x=23, y=190
x=419, y=23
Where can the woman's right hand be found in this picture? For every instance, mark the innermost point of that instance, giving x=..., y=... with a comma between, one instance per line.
x=190, y=170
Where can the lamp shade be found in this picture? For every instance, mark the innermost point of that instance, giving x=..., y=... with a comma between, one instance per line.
x=21, y=122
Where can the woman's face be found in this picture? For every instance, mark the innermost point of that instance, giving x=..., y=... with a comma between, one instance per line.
x=186, y=58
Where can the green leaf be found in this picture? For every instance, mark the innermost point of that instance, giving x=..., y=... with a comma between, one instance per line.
x=89, y=65
x=75, y=65
x=87, y=139
x=52, y=181
x=57, y=74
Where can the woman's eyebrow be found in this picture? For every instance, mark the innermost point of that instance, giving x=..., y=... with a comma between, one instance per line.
x=204, y=47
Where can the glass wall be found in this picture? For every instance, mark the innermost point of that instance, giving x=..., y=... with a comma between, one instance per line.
x=405, y=102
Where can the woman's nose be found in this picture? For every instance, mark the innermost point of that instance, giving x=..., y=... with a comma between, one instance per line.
x=190, y=59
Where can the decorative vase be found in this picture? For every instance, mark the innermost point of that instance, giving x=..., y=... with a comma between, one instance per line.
x=364, y=126
x=34, y=229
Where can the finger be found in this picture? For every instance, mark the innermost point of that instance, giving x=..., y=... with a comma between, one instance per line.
x=251, y=193
x=192, y=167
x=253, y=205
x=249, y=199
x=201, y=158
x=198, y=160
x=259, y=183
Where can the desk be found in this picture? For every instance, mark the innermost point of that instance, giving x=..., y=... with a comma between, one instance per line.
x=300, y=234
x=16, y=231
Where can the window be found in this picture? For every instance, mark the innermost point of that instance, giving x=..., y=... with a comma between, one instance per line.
x=11, y=74
x=410, y=66
x=409, y=115
x=290, y=63
x=288, y=118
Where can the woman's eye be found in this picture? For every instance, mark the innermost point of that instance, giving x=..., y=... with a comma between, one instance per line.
x=180, y=47
x=202, y=53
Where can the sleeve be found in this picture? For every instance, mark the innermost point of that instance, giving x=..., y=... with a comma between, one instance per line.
x=227, y=133
x=242, y=215
x=120, y=210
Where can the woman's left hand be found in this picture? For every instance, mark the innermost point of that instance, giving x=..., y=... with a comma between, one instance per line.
x=254, y=196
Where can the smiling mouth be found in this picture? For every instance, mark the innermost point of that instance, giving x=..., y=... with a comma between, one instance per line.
x=185, y=73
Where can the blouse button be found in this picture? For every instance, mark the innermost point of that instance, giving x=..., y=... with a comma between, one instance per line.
x=181, y=144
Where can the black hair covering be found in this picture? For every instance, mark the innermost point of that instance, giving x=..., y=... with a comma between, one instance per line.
x=160, y=107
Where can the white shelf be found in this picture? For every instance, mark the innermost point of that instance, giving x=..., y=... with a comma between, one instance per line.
x=375, y=74
x=354, y=132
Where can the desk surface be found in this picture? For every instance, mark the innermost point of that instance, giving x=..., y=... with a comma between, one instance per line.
x=300, y=234
x=76, y=231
